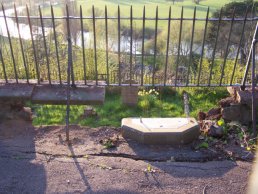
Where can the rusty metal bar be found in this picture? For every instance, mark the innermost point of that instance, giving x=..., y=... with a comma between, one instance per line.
x=249, y=59
x=10, y=44
x=247, y=68
x=69, y=41
x=83, y=47
x=143, y=36
x=3, y=66
x=155, y=46
x=254, y=81
x=33, y=45
x=255, y=18
x=168, y=37
x=131, y=43
x=106, y=27
x=226, y=53
x=191, y=47
x=239, y=46
x=21, y=44
x=56, y=46
x=118, y=49
x=215, y=47
x=95, y=44
x=45, y=45
x=203, y=44
x=179, y=43
x=69, y=68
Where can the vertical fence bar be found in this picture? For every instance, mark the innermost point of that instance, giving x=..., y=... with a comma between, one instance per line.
x=203, y=44
x=118, y=49
x=215, y=47
x=33, y=45
x=56, y=46
x=10, y=44
x=168, y=37
x=131, y=43
x=95, y=46
x=106, y=26
x=253, y=89
x=45, y=45
x=191, y=47
x=70, y=48
x=247, y=67
x=3, y=65
x=239, y=46
x=226, y=53
x=21, y=44
x=143, y=35
x=69, y=66
x=83, y=47
x=155, y=46
x=249, y=58
x=179, y=43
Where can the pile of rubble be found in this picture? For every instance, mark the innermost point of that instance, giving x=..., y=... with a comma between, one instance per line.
x=237, y=107
x=225, y=129
x=13, y=110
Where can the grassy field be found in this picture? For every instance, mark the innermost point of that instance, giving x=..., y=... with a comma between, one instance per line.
x=163, y=6
x=150, y=7
x=169, y=103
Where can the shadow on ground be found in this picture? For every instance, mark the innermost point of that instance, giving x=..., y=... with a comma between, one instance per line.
x=38, y=160
x=19, y=173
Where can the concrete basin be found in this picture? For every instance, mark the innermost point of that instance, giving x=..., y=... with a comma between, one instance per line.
x=171, y=131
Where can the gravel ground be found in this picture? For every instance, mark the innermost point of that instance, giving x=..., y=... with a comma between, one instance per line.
x=38, y=160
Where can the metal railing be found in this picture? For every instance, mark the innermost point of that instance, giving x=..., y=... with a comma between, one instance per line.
x=122, y=51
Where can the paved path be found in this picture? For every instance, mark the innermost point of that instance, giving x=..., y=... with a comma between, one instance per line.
x=33, y=162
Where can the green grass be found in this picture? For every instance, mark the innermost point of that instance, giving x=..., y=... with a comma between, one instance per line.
x=150, y=5
x=168, y=104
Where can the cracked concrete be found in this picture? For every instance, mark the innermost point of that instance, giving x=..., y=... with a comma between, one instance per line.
x=38, y=160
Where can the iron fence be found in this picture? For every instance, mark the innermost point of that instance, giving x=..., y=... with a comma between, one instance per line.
x=122, y=51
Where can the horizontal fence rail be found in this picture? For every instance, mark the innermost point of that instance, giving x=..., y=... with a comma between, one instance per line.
x=124, y=51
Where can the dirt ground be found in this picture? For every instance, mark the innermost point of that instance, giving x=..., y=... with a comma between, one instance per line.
x=38, y=160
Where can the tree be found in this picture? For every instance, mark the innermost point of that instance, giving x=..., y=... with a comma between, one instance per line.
x=74, y=24
x=196, y=1
x=227, y=12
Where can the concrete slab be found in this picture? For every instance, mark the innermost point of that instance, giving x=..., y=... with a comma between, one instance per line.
x=16, y=91
x=47, y=94
x=171, y=131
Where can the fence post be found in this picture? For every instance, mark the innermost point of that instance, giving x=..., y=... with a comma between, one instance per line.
x=255, y=37
x=56, y=47
x=155, y=46
x=68, y=75
x=254, y=80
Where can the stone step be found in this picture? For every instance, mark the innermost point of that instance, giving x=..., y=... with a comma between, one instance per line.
x=52, y=94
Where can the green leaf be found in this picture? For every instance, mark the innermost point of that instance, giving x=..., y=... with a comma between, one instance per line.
x=221, y=122
x=149, y=168
x=203, y=145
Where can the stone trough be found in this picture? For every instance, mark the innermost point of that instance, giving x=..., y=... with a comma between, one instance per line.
x=170, y=131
